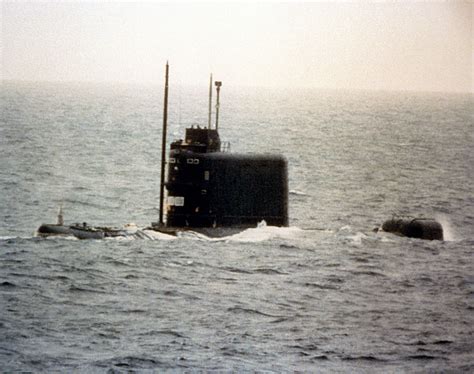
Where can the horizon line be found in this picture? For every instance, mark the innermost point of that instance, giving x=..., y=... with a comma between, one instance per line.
x=296, y=87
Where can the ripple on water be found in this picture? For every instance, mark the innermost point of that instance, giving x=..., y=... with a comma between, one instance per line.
x=335, y=298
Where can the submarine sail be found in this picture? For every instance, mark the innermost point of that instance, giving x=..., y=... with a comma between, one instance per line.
x=209, y=187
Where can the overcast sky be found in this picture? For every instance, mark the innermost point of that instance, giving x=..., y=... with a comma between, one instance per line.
x=401, y=45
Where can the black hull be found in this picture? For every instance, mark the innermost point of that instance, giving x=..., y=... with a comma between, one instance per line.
x=80, y=232
x=87, y=233
x=421, y=228
x=47, y=229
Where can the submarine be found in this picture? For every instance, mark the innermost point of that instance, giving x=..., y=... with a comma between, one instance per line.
x=207, y=189
x=213, y=191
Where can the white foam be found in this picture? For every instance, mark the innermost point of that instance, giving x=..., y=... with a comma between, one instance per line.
x=357, y=238
x=346, y=228
x=11, y=237
x=121, y=238
x=449, y=233
x=156, y=235
x=62, y=237
x=198, y=236
x=298, y=193
x=264, y=233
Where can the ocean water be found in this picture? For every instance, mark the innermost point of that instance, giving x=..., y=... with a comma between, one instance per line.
x=326, y=294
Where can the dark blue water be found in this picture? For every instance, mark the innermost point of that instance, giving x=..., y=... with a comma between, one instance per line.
x=326, y=294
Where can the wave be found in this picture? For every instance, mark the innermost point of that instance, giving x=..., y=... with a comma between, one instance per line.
x=347, y=233
x=257, y=234
x=9, y=238
x=129, y=362
x=238, y=309
x=7, y=284
x=261, y=233
x=424, y=357
x=168, y=332
x=265, y=233
x=145, y=234
x=74, y=288
x=297, y=193
x=362, y=358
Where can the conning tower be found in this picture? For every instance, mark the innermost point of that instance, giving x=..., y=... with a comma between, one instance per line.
x=209, y=187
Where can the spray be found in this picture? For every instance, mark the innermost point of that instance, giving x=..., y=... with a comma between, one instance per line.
x=448, y=231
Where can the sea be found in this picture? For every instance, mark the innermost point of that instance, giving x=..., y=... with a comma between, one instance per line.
x=326, y=294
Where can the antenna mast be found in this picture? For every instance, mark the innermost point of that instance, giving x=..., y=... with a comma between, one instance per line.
x=218, y=88
x=210, y=103
x=163, y=146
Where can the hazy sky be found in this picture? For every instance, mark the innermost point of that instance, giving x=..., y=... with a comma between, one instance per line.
x=376, y=45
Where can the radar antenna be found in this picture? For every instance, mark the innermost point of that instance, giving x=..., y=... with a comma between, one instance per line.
x=218, y=88
x=210, y=104
x=163, y=146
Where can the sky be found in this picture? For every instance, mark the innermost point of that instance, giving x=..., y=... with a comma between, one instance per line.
x=379, y=45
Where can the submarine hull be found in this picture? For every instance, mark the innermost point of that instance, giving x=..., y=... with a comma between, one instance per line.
x=80, y=232
x=87, y=233
x=421, y=228
x=50, y=229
